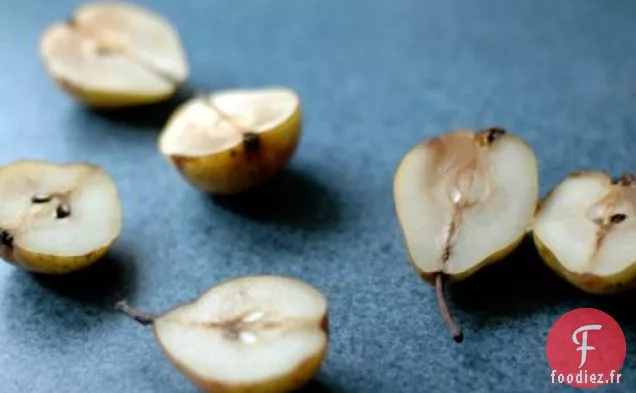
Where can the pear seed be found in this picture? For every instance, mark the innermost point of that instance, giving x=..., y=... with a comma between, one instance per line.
x=41, y=198
x=63, y=211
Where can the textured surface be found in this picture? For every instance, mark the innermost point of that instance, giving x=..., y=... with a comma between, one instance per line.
x=376, y=77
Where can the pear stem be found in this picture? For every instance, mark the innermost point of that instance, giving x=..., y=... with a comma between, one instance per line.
x=454, y=329
x=142, y=318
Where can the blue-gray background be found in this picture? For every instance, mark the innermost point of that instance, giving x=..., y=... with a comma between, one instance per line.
x=375, y=77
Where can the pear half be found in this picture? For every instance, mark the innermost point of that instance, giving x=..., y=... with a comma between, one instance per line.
x=247, y=334
x=233, y=140
x=585, y=230
x=57, y=218
x=115, y=54
x=464, y=199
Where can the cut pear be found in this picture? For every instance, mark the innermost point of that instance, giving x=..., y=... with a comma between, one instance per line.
x=233, y=140
x=463, y=200
x=585, y=229
x=115, y=54
x=247, y=334
x=57, y=218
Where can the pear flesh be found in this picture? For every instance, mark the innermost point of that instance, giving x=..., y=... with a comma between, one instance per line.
x=256, y=334
x=585, y=229
x=233, y=140
x=57, y=218
x=115, y=54
x=463, y=200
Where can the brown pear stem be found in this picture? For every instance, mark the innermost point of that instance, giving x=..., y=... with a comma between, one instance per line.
x=627, y=179
x=453, y=327
x=142, y=318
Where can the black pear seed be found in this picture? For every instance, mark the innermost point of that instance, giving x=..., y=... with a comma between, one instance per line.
x=63, y=211
x=41, y=198
x=617, y=218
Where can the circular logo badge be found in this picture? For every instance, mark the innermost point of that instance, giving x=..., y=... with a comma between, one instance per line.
x=586, y=348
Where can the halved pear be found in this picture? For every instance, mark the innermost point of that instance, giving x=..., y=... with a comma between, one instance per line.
x=115, y=54
x=464, y=199
x=247, y=334
x=585, y=230
x=233, y=140
x=57, y=218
